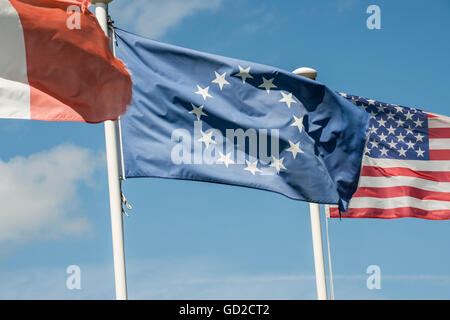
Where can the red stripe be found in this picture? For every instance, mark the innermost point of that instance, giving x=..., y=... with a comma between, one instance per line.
x=439, y=154
x=431, y=115
x=401, y=191
x=405, y=212
x=73, y=75
x=438, y=176
x=439, y=133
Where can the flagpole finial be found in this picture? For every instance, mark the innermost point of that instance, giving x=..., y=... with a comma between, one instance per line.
x=306, y=72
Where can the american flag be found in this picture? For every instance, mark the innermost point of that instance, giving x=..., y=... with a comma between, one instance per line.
x=406, y=165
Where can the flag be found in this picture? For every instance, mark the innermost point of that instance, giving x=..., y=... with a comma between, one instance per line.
x=406, y=164
x=198, y=116
x=56, y=64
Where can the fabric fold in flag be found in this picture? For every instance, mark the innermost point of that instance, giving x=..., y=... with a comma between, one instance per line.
x=203, y=117
x=56, y=64
x=406, y=164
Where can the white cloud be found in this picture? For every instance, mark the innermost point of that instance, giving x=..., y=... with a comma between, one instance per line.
x=38, y=194
x=154, y=18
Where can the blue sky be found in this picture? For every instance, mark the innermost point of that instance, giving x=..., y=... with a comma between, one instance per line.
x=237, y=243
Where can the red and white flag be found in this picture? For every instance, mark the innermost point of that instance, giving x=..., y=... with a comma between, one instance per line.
x=56, y=64
x=406, y=165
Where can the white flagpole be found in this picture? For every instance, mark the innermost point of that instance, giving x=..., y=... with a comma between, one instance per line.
x=314, y=210
x=319, y=265
x=113, y=160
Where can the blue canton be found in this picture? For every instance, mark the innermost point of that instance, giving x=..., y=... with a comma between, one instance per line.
x=395, y=132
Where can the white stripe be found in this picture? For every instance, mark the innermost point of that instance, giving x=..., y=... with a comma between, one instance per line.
x=441, y=122
x=400, y=202
x=386, y=182
x=327, y=210
x=14, y=88
x=416, y=165
x=439, y=144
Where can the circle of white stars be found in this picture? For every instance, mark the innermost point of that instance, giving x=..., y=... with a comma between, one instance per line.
x=252, y=166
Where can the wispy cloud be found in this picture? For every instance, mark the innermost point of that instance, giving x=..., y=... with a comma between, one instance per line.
x=155, y=279
x=39, y=194
x=154, y=18
x=193, y=279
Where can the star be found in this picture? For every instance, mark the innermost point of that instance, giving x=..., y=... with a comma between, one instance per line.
x=409, y=130
x=372, y=129
x=371, y=102
x=380, y=108
x=402, y=152
x=392, y=144
x=277, y=164
x=419, y=137
x=399, y=109
x=343, y=94
x=207, y=138
x=267, y=84
x=294, y=148
x=408, y=115
x=420, y=152
x=381, y=122
x=391, y=130
x=198, y=111
x=374, y=143
x=373, y=115
x=287, y=98
x=384, y=151
x=382, y=137
x=203, y=92
x=401, y=137
x=298, y=122
x=252, y=167
x=244, y=74
x=418, y=122
x=390, y=115
x=400, y=122
x=220, y=79
x=410, y=145
x=225, y=159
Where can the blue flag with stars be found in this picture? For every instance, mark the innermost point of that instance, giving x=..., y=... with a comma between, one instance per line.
x=203, y=117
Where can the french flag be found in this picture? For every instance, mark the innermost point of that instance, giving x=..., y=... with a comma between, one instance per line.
x=51, y=71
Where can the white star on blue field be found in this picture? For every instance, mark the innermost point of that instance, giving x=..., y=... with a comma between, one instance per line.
x=193, y=240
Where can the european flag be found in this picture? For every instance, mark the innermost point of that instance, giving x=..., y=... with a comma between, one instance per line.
x=199, y=116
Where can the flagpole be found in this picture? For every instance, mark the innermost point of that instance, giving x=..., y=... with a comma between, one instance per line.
x=319, y=264
x=113, y=160
x=316, y=228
